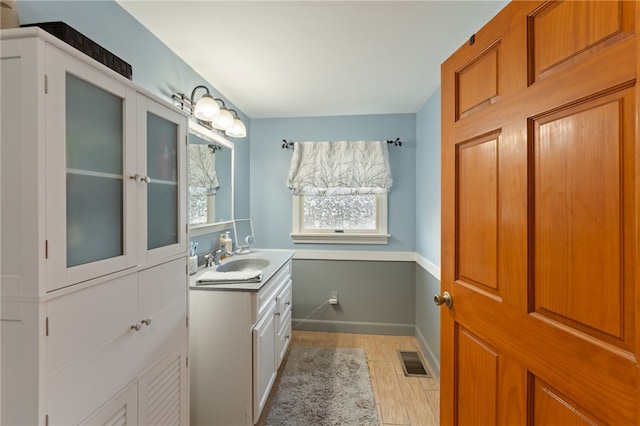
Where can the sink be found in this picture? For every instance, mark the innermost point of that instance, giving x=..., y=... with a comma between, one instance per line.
x=238, y=265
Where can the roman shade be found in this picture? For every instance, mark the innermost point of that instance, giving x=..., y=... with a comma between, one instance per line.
x=339, y=168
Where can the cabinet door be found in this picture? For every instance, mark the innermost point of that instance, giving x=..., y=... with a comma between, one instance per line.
x=162, y=205
x=122, y=410
x=264, y=359
x=91, y=348
x=162, y=310
x=284, y=337
x=89, y=154
x=163, y=391
x=283, y=321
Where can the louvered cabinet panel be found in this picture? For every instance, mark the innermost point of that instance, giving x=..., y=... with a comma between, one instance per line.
x=120, y=411
x=162, y=391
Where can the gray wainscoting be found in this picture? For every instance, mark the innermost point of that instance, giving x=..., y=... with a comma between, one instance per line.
x=374, y=297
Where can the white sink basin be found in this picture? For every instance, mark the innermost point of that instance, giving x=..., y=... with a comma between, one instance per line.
x=238, y=265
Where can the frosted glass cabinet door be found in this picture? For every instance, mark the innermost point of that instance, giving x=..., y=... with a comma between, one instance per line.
x=164, y=132
x=89, y=147
x=95, y=141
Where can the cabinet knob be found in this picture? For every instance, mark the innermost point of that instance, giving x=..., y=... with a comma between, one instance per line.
x=277, y=314
x=146, y=321
x=139, y=178
x=288, y=303
x=137, y=326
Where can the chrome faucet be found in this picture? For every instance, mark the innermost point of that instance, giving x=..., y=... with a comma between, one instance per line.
x=219, y=253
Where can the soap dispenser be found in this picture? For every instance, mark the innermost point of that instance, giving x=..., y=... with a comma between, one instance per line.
x=222, y=241
x=228, y=243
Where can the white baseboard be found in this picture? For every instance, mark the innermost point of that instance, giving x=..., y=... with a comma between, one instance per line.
x=426, y=349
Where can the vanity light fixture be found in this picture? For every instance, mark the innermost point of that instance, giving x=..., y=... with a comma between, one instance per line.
x=212, y=112
x=206, y=108
x=237, y=129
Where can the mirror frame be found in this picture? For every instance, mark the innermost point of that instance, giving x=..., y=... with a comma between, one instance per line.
x=245, y=247
x=207, y=134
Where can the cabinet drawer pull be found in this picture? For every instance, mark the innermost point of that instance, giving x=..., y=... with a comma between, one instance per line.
x=146, y=321
x=137, y=326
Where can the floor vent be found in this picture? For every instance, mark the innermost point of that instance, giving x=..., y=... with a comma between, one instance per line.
x=412, y=364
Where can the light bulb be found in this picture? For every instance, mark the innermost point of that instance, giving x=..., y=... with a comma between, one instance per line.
x=224, y=120
x=206, y=108
x=237, y=130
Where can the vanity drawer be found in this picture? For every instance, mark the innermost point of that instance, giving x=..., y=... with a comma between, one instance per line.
x=270, y=289
x=283, y=304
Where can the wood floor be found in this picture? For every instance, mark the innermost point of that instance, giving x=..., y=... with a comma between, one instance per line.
x=400, y=400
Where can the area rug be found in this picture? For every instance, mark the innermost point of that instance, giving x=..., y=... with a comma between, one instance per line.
x=324, y=386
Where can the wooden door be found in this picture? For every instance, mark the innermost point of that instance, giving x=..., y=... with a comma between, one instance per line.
x=540, y=212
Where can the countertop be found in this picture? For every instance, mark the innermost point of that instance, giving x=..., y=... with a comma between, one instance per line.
x=276, y=258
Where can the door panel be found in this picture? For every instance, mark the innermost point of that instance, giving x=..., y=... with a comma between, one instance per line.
x=477, y=221
x=562, y=30
x=551, y=407
x=579, y=216
x=478, y=82
x=477, y=368
x=539, y=218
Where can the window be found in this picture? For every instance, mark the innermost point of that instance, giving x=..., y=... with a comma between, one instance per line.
x=341, y=219
x=340, y=192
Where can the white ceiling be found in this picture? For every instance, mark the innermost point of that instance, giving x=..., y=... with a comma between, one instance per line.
x=316, y=58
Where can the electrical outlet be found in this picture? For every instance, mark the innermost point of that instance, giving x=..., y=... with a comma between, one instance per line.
x=333, y=300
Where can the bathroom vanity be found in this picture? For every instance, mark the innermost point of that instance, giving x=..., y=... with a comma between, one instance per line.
x=239, y=334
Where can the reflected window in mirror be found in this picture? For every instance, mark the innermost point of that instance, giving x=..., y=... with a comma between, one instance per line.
x=203, y=183
x=210, y=180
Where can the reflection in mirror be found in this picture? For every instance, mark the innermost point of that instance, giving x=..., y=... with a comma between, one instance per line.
x=243, y=229
x=210, y=180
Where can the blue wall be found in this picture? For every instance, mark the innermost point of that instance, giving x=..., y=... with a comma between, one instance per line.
x=428, y=227
x=428, y=180
x=271, y=200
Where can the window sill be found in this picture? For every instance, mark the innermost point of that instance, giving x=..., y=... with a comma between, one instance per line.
x=326, y=238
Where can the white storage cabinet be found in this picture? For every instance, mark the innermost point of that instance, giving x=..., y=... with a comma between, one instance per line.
x=94, y=241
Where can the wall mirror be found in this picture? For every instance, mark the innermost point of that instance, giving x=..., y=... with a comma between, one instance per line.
x=210, y=180
x=243, y=229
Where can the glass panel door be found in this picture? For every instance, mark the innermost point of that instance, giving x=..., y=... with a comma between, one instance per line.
x=162, y=134
x=94, y=173
x=162, y=191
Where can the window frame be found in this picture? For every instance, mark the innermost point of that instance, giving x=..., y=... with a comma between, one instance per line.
x=379, y=235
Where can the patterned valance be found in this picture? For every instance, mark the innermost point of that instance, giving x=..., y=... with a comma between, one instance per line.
x=339, y=168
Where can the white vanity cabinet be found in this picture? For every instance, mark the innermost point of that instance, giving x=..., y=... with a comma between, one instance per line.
x=94, y=240
x=238, y=337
